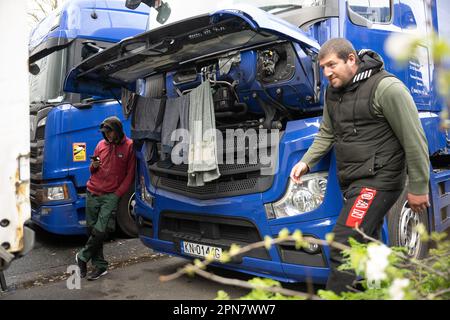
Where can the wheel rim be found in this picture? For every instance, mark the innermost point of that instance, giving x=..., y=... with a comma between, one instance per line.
x=131, y=206
x=408, y=235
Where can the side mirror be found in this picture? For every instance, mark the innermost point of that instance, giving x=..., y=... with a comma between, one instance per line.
x=163, y=12
x=132, y=4
x=163, y=8
x=34, y=69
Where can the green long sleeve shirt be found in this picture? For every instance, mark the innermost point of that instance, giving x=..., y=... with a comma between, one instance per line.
x=392, y=101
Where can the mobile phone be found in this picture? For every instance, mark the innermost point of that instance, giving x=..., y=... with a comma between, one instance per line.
x=95, y=158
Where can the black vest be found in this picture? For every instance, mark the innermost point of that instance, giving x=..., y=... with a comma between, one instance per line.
x=368, y=153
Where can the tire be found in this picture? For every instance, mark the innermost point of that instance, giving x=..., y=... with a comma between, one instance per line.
x=125, y=214
x=401, y=224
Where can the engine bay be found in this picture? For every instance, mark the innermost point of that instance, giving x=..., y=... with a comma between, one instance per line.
x=261, y=88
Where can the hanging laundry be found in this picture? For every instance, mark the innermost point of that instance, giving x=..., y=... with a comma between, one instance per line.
x=203, y=163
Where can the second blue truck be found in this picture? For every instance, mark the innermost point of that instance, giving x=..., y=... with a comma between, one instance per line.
x=65, y=126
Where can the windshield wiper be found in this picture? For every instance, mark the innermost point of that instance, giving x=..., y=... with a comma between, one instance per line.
x=38, y=102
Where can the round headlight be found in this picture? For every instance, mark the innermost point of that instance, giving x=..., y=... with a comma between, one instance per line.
x=301, y=197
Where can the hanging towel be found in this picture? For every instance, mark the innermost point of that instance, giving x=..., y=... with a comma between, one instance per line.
x=176, y=116
x=203, y=163
x=146, y=125
x=129, y=99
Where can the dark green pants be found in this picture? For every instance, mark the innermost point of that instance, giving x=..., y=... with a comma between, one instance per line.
x=99, y=221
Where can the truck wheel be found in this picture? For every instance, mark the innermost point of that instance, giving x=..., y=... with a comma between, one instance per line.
x=402, y=222
x=125, y=214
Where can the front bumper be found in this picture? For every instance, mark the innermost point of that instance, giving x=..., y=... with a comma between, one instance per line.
x=221, y=222
x=63, y=219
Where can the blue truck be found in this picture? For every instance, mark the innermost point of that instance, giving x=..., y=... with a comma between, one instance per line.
x=260, y=58
x=65, y=126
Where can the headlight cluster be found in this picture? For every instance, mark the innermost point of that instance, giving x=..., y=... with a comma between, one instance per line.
x=55, y=193
x=42, y=122
x=145, y=195
x=300, y=197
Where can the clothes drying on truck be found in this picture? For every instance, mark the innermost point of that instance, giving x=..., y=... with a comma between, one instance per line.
x=203, y=164
x=155, y=119
x=176, y=116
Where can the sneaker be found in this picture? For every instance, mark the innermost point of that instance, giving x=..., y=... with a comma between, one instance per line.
x=97, y=273
x=82, y=265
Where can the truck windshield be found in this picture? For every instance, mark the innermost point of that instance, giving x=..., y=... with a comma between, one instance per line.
x=47, y=85
x=180, y=9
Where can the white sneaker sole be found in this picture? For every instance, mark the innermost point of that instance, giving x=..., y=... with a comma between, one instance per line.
x=104, y=273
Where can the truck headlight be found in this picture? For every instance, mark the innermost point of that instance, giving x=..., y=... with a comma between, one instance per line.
x=55, y=193
x=300, y=197
x=145, y=195
x=42, y=122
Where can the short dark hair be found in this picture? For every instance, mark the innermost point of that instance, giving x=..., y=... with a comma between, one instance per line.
x=340, y=46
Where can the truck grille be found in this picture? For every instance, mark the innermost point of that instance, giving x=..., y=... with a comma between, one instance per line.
x=36, y=159
x=211, y=230
x=35, y=193
x=235, y=179
x=38, y=112
x=229, y=184
x=35, y=168
x=40, y=133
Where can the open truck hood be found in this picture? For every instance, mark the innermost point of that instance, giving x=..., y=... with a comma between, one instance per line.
x=170, y=47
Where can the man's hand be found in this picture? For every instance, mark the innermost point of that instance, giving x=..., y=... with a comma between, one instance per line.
x=298, y=171
x=418, y=203
x=95, y=163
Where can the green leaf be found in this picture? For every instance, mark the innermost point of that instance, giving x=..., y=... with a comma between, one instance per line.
x=298, y=237
x=189, y=269
x=225, y=258
x=283, y=234
x=199, y=264
x=234, y=249
x=267, y=242
x=329, y=237
x=222, y=295
x=328, y=295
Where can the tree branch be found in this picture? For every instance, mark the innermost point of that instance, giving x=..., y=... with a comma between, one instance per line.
x=401, y=255
x=245, y=284
x=439, y=293
x=33, y=16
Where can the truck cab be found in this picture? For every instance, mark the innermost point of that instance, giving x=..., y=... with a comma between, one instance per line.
x=65, y=126
x=260, y=60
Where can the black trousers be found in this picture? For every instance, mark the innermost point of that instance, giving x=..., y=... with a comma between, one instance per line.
x=365, y=208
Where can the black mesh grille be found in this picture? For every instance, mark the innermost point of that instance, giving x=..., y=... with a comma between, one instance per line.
x=210, y=230
x=221, y=187
x=33, y=152
x=36, y=168
x=40, y=133
x=34, y=204
x=235, y=179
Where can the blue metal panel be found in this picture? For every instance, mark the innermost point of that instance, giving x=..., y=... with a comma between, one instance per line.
x=102, y=20
x=62, y=217
x=113, y=22
x=67, y=125
x=260, y=20
x=440, y=199
x=435, y=137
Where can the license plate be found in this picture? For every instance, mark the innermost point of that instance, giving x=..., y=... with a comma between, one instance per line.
x=200, y=250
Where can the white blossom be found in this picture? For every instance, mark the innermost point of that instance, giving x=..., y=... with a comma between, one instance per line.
x=377, y=262
x=400, y=45
x=397, y=289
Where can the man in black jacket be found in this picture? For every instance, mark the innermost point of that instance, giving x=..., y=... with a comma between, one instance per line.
x=371, y=120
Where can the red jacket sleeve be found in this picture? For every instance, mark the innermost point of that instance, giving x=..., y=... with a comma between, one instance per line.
x=129, y=178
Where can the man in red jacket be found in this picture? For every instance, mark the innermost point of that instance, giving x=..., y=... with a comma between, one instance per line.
x=112, y=172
